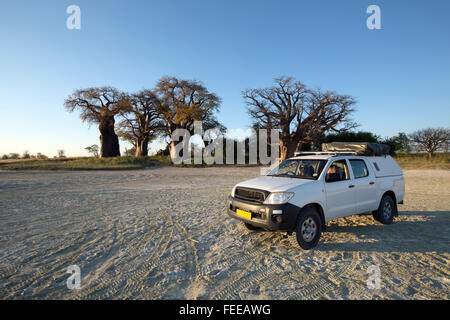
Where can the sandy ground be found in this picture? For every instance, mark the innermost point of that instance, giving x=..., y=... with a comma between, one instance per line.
x=163, y=234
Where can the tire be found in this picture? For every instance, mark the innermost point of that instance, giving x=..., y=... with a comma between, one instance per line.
x=307, y=231
x=386, y=211
x=250, y=227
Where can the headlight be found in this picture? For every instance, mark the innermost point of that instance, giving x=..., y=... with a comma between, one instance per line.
x=232, y=192
x=279, y=197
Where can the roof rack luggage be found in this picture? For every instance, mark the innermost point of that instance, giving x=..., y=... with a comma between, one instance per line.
x=349, y=148
x=361, y=148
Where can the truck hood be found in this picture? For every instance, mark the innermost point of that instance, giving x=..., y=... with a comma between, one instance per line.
x=274, y=184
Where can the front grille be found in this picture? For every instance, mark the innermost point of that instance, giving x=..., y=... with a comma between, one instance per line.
x=252, y=195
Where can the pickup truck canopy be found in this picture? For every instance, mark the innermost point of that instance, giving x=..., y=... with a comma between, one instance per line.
x=361, y=148
x=384, y=166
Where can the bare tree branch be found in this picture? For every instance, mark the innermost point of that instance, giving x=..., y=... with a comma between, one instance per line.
x=301, y=114
x=431, y=139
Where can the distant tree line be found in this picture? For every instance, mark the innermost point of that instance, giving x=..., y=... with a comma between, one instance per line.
x=305, y=117
x=26, y=155
x=429, y=140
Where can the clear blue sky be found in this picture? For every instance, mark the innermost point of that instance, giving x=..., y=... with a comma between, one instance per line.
x=400, y=75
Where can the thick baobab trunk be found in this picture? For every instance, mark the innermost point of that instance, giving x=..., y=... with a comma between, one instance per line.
x=172, y=153
x=142, y=147
x=109, y=142
x=287, y=149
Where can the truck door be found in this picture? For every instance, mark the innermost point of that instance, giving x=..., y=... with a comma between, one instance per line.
x=365, y=186
x=339, y=190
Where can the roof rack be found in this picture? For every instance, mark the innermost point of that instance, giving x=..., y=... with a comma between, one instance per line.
x=333, y=153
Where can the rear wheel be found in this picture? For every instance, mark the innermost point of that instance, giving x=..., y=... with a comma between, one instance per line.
x=387, y=210
x=250, y=227
x=307, y=231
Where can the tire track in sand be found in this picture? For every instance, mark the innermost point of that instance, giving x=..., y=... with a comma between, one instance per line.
x=56, y=269
x=265, y=273
x=131, y=281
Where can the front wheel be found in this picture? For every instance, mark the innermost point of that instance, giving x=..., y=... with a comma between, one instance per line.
x=307, y=230
x=386, y=211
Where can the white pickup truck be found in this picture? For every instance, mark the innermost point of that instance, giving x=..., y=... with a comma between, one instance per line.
x=303, y=193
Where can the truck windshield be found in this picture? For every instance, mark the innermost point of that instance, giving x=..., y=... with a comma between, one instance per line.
x=299, y=168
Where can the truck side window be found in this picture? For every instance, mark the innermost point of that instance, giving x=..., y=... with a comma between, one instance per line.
x=359, y=168
x=338, y=171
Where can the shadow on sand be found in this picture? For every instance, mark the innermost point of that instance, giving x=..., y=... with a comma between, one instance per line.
x=413, y=231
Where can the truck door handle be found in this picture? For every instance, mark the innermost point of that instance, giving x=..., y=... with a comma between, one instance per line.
x=371, y=182
x=351, y=186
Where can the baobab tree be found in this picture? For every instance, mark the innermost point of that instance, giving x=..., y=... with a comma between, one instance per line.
x=182, y=103
x=431, y=139
x=141, y=122
x=302, y=115
x=100, y=105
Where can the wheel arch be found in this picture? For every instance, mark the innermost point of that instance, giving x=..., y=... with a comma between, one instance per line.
x=394, y=198
x=319, y=209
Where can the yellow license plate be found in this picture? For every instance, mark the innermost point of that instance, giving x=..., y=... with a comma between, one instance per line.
x=244, y=214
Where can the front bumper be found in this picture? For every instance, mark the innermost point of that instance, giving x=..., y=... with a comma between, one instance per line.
x=262, y=215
